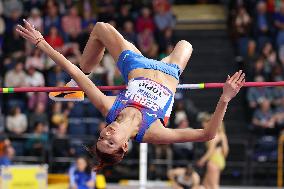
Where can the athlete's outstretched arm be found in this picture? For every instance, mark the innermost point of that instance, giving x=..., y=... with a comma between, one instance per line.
x=230, y=90
x=99, y=100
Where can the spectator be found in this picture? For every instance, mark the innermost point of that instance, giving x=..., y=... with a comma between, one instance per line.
x=279, y=115
x=109, y=64
x=9, y=48
x=183, y=151
x=54, y=39
x=81, y=175
x=146, y=41
x=35, y=19
x=6, y=159
x=145, y=21
x=36, y=60
x=279, y=24
x=270, y=58
x=88, y=18
x=52, y=18
x=128, y=32
x=12, y=19
x=263, y=27
x=263, y=118
x=184, y=178
x=12, y=5
x=166, y=39
x=17, y=122
x=123, y=16
x=71, y=23
x=16, y=77
x=61, y=143
x=106, y=10
x=242, y=23
x=215, y=157
x=57, y=115
x=255, y=95
x=39, y=115
x=37, y=143
x=164, y=18
x=57, y=75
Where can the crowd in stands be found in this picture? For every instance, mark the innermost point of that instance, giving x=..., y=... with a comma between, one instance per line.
x=258, y=38
x=66, y=26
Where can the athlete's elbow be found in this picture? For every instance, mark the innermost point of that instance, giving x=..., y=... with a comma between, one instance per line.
x=208, y=136
x=100, y=27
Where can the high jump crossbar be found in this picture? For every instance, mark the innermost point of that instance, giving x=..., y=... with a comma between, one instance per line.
x=122, y=87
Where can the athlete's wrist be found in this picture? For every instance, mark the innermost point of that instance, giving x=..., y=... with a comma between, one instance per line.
x=224, y=99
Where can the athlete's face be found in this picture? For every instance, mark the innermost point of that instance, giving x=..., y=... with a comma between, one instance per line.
x=112, y=138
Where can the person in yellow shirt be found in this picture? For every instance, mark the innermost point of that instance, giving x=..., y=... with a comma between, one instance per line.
x=215, y=156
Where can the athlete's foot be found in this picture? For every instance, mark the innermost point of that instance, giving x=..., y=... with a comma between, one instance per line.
x=69, y=95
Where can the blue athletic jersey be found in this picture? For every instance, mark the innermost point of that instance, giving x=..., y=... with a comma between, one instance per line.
x=152, y=99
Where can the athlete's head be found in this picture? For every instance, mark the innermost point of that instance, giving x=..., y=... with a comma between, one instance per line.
x=112, y=145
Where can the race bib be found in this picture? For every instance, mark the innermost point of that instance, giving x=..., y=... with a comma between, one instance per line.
x=148, y=93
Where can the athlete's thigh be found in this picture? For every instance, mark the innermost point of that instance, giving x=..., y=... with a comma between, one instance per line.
x=180, y=55
x=113, y=40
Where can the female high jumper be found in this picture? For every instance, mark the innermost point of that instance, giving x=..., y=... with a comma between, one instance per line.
x=141, y=112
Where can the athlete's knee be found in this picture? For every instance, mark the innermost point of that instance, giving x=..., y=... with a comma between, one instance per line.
x=184, y=43
x=100, y=28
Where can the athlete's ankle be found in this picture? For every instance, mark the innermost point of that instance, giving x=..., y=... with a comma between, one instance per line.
x=72, y=83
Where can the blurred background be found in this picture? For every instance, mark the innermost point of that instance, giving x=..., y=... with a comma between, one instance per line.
x=226, y=36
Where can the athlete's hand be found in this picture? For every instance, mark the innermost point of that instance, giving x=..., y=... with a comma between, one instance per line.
x=233, y=85
x=29, y=33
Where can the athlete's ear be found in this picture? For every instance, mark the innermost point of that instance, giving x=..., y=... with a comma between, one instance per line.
x=125, y=147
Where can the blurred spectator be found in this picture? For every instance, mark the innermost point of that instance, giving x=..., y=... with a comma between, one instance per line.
x=279, y=115
x=145, y=21
x=242, y=24
x=54, y=39
x=255, y=95
x=81, y=175
x=10, y=6
x=164, y=18
x=37, y=143
x=128, y=32
x=33, y=4
x=109, y=64
x=36, y=60
x=166, y=39
x=279, y=24
x=215, y=157
x=263, y=118
x=84, y=36
x=61, y=142
x=106, y=10
x=184, y=178
x=270, y=58
x=71, y=23
x=51, y=18
x=183, y=151
x=35, y=19
x=57, y=75
x=9, y=153
x=263, y=27
x=57, y=115
x=38, y=115
x=146, y=41
x=17, y=122
x=35, y=79
x=4, y=142
x=124, y=16
x=16, y=77
x=9, y=48
x=88, y=18
x=13, y=16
